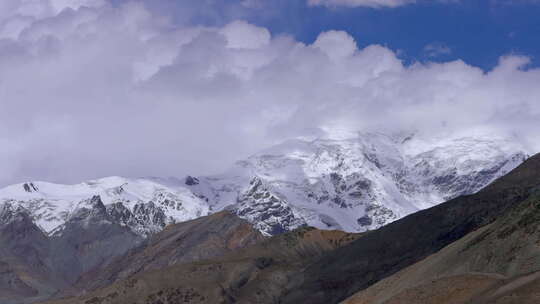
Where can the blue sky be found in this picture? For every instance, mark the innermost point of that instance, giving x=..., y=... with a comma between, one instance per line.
x=476, y=31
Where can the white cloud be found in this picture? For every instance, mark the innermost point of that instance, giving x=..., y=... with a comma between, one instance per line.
x=120, y=91
x=336, y=44
x=16, y=15
x=357, y=3
x=40, y=9
x=60, y=5
x=242, y=35
x=437, y=49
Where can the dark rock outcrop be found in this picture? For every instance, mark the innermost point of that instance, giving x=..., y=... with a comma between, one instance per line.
x=266, y=210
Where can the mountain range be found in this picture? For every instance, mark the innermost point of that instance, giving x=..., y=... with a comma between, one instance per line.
x=290, y=207
x=354, y=184
x=480, y=248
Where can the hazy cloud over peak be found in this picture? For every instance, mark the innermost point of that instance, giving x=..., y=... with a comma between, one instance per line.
x=104, y=90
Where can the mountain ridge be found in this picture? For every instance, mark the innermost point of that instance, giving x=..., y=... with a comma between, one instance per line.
x=354, y=185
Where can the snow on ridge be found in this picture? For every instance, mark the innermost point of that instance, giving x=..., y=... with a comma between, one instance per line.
x=365, y=182
x=52, y=204
x=351, y=183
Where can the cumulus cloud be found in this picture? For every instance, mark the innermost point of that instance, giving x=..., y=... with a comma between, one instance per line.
x=336, y=44
x=240, y=34
x=97, y=90
x=357, y=3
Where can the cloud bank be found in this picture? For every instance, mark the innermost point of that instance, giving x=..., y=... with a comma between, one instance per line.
x=89, y=90
x=358, y=3
x=374, y=3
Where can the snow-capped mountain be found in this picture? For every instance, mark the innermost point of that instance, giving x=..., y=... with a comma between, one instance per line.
x=144, y=205
x=358, y=183
x=353, y=184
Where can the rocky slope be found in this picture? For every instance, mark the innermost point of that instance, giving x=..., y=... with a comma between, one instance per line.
x=498, y=263
x=247, y=275
x=497, y=228
x=36, y=266
x=204, y=238
x=354, y=185
x=25, y=259
x=89, y=238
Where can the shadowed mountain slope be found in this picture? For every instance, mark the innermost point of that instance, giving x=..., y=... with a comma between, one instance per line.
x=251, y=275
x=37, y=265
x=91, y=251
x=499, y=263
x=25, y=262
x=202, y=238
